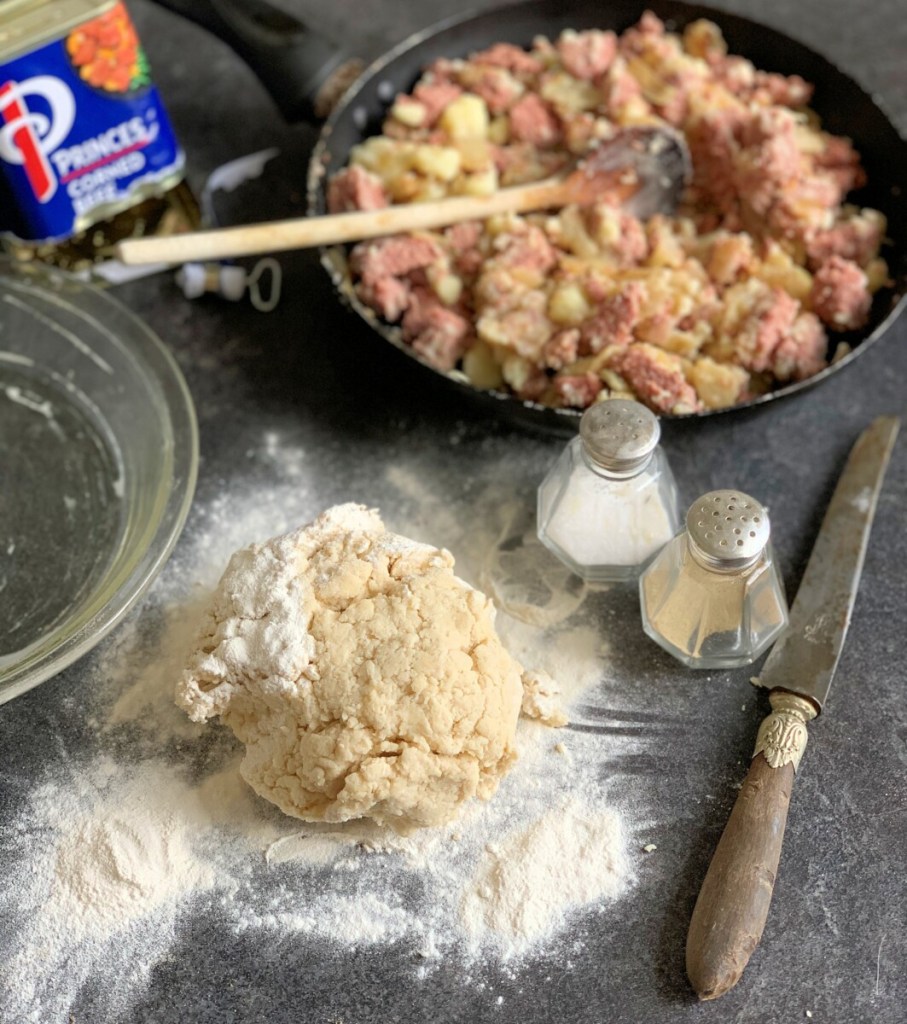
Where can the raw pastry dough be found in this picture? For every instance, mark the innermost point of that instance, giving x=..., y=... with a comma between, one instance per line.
x=364, y=677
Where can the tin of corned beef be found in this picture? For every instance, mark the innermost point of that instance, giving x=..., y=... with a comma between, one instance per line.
x=83, y=132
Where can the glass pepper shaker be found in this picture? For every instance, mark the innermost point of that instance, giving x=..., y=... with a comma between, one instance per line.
x=610, y=501
x=713, y=597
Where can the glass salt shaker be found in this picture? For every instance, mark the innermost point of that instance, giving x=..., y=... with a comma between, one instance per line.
x=713, y=597
x=610, y=501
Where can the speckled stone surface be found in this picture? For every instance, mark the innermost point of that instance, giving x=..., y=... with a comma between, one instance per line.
x=836, y=941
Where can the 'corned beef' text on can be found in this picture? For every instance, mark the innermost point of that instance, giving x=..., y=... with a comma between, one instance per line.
x=87, y=154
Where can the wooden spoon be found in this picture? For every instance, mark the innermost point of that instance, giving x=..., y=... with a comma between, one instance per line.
x=644, y=168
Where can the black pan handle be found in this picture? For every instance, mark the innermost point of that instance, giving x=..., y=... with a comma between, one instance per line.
x=294, y=63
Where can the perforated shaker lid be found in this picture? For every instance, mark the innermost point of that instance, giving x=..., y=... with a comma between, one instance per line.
x=619, y=435
x=728, y=529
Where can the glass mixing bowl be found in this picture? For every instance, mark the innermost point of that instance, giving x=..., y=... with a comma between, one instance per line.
x=98, y=461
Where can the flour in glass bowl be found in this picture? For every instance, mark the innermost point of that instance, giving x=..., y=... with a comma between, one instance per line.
x=116, y=851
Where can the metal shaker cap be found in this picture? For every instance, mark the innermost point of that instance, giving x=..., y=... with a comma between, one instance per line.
x=727, y=529
x=619, y=435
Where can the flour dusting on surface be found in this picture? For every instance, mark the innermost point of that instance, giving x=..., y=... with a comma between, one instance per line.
x=522, y=890
x=156, y=828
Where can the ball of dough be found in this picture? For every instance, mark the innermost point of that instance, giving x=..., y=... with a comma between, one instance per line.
x=364, y=677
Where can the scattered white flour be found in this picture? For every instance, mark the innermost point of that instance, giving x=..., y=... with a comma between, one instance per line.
x=115, y=859
x=115, y=853
x=124, y=857
x=522, y=889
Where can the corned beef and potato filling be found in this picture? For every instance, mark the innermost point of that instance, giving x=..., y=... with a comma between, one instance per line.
x=738, y=292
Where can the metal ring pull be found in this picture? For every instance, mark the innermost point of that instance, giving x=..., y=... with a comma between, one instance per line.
x=256, y=297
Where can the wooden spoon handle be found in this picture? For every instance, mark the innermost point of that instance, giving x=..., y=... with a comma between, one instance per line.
x=733, y=904
x=306, y=232
x=646, y=164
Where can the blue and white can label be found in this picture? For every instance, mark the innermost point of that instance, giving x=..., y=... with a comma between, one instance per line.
x=82, y=130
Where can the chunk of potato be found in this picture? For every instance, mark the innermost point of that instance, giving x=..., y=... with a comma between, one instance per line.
x=441, y=162
x=466, y=117
x=481, y=367
x=568, y=305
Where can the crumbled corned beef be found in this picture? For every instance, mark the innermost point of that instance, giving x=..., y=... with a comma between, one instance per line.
x=510, y=57
x=802, y=351
x=612, y=323
x=840, y=294
x=392, y=257
x=436, y=97
x=497, y=87
x=561, y=349
x=587, y=55
x=765, y=328
x=577, y=390
x=531, y=120
x=656, y=378
x=355, y=188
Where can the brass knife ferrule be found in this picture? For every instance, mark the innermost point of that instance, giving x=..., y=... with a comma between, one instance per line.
x=782, y=736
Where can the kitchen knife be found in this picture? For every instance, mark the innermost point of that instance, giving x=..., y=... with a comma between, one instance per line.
x=733, y=903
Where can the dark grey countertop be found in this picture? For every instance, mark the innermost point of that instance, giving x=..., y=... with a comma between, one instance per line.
x=836, y=940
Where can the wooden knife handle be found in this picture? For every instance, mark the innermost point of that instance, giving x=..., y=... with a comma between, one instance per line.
x=733, y=903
